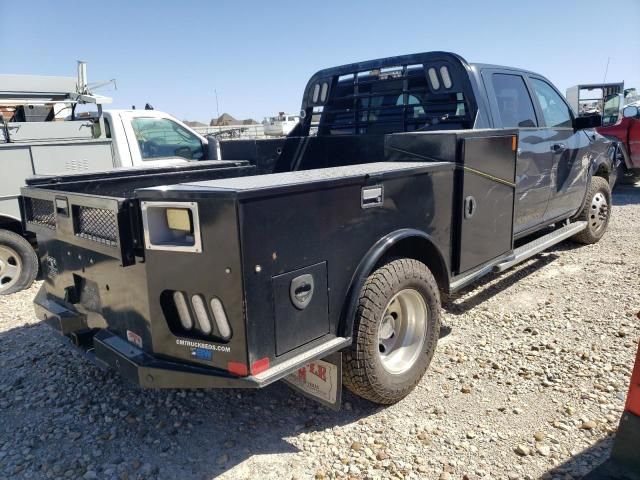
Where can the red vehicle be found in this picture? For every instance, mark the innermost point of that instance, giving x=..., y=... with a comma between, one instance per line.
x=627, y=131
x=619, y=109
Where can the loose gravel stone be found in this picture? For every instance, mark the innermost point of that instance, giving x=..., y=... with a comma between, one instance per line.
x=531, y=356
x=544, y=450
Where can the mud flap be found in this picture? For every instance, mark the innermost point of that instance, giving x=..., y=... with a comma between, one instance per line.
x=320, y=380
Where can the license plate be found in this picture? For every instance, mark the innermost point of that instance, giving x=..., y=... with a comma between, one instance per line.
x=320, y=380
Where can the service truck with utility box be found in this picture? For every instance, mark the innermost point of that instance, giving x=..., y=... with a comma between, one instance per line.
x=321, y=257
x=43, y=131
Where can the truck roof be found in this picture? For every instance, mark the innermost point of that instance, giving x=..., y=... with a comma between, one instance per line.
x=486, y=66
x=413, y=58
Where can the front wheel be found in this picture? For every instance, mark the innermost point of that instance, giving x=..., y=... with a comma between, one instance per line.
x=396, y=331
x=18, y=263
x=626, y=177
x=596, y=211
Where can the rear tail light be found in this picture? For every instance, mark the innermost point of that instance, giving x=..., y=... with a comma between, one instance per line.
x=195, y=315
x=183, y=311
x=220, y=318
x=201, y=314
x=172, y=226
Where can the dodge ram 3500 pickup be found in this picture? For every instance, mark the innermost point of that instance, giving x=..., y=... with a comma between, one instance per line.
x=320, y=257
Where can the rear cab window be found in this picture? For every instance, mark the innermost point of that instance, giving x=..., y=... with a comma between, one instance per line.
x=401, y=98
x=515, y=107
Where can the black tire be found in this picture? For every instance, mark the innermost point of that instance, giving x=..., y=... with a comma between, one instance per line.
x=363, y=370
x=625, y=177
x=594, y=212
x=18, y=263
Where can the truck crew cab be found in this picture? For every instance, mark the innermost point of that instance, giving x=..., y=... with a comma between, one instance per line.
x=408, y=176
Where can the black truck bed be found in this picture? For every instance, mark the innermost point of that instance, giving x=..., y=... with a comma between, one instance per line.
x=255, y=234
x=121, y=183
x=273, y=184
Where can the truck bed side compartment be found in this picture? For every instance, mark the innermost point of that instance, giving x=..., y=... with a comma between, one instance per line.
x=483, y=212
x=301, y=235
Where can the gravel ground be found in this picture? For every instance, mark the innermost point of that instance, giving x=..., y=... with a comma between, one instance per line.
x=530, y=382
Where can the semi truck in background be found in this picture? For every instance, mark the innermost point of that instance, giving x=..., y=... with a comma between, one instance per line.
x=44, y=132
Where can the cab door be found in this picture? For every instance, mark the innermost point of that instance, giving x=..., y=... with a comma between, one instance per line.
x=569, y=150
x=512, y=107
x=157, y=139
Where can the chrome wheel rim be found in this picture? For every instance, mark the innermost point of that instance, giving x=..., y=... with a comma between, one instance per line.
x=402, y=331
x=598, y=213
x=10, y=267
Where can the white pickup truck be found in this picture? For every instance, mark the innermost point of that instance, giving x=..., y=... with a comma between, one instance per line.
x=35, y=139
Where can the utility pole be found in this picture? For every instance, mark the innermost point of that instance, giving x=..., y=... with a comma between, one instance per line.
x=215, y=91
x=606, y=70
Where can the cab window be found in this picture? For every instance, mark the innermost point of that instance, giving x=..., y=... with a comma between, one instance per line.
x=394, y=99
x=611, y=109
x=554, y=110
x=514, y=103
x=161, y=138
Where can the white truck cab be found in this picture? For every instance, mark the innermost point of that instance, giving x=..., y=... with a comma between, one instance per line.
x=150, y=137
x=42, y=133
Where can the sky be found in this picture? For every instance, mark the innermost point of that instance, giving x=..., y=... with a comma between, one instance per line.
x=258, y=55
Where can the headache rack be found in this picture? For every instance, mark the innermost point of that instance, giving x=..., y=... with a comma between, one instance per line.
x=428, y=91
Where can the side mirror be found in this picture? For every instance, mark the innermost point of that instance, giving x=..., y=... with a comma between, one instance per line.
x=213, y=148
x=588, y=121
x=630, y=112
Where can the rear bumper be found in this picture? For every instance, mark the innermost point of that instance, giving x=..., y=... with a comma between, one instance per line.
x=106, y=349
x=147, y=371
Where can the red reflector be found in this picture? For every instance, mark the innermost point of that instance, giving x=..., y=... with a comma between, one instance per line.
x=260, y=366
x=633, y=397
x=237, y=368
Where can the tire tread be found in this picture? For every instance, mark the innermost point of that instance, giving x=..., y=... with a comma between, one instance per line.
x=29, y=260
x=586, y=236
x=358, y=371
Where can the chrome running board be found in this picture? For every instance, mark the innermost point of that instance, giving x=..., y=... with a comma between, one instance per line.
x=530, y=249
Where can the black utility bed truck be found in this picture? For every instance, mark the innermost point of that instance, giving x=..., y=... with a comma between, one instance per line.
x=408, y=176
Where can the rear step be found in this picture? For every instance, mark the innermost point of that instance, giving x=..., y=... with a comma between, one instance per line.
x=530, y=249
x=282, y=369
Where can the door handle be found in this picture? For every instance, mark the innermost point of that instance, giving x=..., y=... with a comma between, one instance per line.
x=469, y=206
x=558, y=147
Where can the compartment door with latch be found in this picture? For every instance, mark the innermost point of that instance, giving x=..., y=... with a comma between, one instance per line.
x=301, y=306
x=488, y=189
